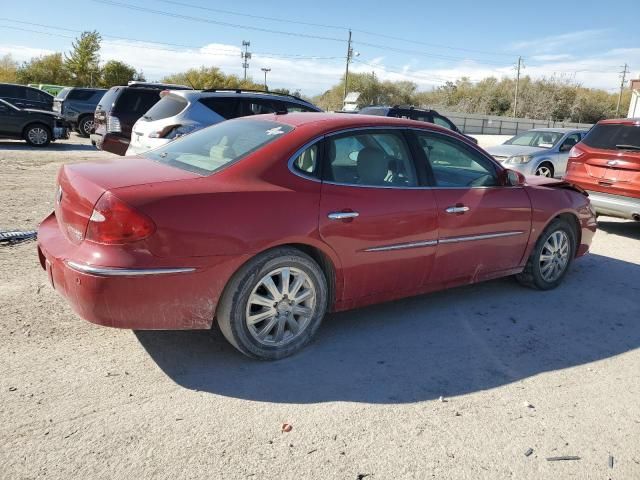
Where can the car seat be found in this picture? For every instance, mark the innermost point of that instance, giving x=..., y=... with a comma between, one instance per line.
x=373, y=166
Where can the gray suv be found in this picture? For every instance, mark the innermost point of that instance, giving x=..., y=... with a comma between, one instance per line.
x=180, y=112
x=77, y=106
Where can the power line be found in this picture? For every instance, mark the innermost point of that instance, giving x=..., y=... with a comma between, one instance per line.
x=248, y=15
x=218, y=52
x=215, y=22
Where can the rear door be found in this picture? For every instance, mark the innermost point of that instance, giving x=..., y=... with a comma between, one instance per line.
x=10, y=120
x=483, y=227
x=375, y=215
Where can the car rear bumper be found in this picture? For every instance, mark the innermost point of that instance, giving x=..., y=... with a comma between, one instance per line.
x=615, y=205
x=167, y=297
x=138, y=147
x=110, y=142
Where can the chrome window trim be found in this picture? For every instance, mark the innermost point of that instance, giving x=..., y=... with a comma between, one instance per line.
x=402, y=246
x=124, y=272
x=484, y=236
x=393, y=127
x=299, y=152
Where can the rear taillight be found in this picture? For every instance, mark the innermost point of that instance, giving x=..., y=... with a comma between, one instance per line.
x=115, y=222
x=113, y=124
x=575, y=152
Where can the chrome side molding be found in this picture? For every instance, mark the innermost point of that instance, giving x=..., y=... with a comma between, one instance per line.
x=124, y=272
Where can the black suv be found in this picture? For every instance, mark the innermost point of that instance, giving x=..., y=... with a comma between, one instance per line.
x=22, y=96
x=36, y=127
x=118, y=110
x=77, y=106
x=412, y=113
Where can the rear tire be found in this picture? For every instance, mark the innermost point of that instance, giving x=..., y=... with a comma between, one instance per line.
x=551, y=257
x=85, y=126
x=37, y=135
x=273, y=306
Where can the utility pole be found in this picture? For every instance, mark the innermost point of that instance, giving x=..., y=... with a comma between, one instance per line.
x=346, y=72
x=515, y=100
x=624, y=77
x=246, y=55
x=265, y=70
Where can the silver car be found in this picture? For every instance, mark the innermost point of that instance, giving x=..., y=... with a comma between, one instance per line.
x=180, y=112
x=542, y=151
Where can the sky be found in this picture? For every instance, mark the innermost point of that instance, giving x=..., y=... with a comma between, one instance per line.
x=304, y=44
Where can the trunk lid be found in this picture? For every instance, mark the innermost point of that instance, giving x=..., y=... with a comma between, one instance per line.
x=80, y=186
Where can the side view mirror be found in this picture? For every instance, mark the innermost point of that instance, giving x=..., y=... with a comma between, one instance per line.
x=511, y=178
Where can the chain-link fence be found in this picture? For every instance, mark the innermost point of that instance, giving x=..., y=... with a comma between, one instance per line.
x=472, y=123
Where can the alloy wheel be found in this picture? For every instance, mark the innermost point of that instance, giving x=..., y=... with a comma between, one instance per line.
x=554, y=256
x=38, y=136
x=544, y=171
x=87, y=126
x=281, y=306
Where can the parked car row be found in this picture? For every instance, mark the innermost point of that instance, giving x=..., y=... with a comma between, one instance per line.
x=37, y=127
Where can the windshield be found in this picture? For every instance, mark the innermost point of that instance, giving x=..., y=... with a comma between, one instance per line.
x=210, y=149
x=535, y=138
x=613, y=137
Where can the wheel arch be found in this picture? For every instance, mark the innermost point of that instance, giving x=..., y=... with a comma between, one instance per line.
x=573, y=220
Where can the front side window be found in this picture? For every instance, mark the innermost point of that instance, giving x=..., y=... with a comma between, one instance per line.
x=569, y=142
x=376, y=159
x=258, y=106
x=536, y=138
x=454, y=165
x=210, y=149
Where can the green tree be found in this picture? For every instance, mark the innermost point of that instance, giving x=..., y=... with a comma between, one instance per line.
x=210, y=77
x=8, y=69
x=44, y=69
x=83, y=60
x=115, y=73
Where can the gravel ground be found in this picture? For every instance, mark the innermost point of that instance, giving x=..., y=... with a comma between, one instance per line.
x=557, y=372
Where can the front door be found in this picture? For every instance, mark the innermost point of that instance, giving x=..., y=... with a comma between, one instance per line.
x=373, y=213
x=483, y=227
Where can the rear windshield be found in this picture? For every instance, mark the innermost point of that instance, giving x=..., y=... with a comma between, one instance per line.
x=167, y=107
x=613, y=137
x=106, y=102
x=136, y=100
x=207, y=150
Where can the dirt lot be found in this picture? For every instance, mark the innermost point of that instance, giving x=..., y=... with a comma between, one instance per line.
x=557, y=372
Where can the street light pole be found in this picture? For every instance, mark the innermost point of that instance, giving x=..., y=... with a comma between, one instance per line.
x=265, y=70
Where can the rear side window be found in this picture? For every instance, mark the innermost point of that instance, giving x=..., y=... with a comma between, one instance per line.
x=81, y=94
x=443, y=122
x=376, y=159
x=613, y=137
x=168, y=106
x=210, y=149
x=136, y=100
x=62, y=94
x=226, y=107
x=307, y=163
x=253, y=106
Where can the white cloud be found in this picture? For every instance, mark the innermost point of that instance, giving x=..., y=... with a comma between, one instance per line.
x=554, y=42
x=314, y=75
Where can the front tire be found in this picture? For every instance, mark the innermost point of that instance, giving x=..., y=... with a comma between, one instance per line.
x=37, y=135
x=545, y=169
x=273, y=306
x=550, y=260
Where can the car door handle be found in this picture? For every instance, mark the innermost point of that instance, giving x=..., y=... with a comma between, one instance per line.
x=457, y=209
x=342, y=215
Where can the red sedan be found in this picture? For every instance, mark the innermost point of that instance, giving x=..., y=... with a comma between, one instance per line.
x=266, y=223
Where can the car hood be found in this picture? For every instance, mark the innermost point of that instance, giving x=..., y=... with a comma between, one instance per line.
x=539, y=181
x=511, y=150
